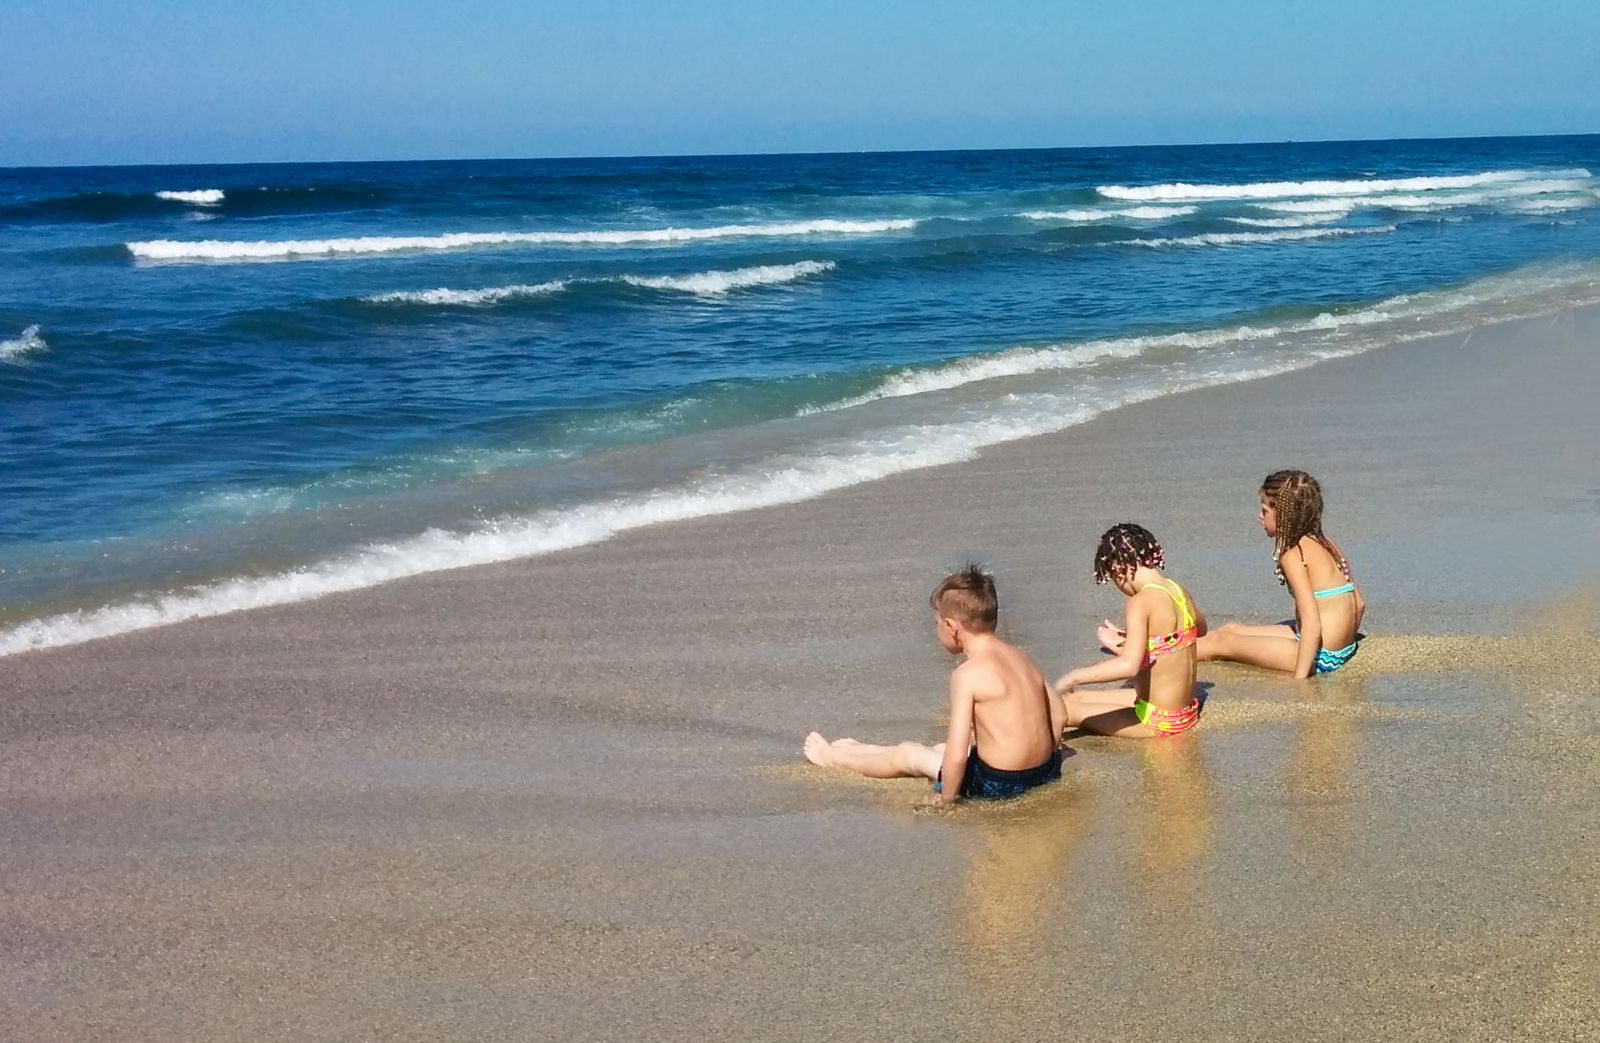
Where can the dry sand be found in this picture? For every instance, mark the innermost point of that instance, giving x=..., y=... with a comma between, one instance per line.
x=562, y=798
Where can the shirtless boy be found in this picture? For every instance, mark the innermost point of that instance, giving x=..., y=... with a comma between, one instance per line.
x=1005, y=720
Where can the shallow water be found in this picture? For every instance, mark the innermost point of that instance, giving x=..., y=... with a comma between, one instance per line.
x=232, y=386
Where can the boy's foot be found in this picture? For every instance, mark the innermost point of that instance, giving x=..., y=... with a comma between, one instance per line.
x=818, y=750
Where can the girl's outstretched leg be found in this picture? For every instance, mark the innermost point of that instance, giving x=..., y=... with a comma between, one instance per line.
x=1105, y=713
x=1273, y=647
x=907, y=759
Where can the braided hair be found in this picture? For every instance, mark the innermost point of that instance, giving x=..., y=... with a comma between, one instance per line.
x=1123, y=549
x=1296, y=501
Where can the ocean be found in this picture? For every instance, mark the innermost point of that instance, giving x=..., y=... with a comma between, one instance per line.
x=224, y=387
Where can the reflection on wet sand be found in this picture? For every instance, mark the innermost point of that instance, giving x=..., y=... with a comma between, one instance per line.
x=1176, y=813
x=1321, y=782
x=1021, y=907
x=1018, y=895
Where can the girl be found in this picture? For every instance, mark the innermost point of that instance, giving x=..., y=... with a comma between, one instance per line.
x=1156, y=650
x=1327, y=606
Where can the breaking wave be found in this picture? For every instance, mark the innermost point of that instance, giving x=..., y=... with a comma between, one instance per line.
x=1247, y=238
x=30, y=341
x=1552, y=206
x=219, y=250
x=1183, y=191
x=1303, y=221
x=707, y=284
x=716, y=283
x=804, y=475
x=199, y=196
x=1137, y=213
x=1464, y=304
x=491, y=295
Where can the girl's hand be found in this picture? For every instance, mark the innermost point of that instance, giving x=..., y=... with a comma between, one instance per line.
x=1067, y=682
x=1111, y=636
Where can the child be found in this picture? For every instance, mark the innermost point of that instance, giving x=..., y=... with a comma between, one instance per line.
x=1005, y=723
x=1155, y=649
x=1327, y=606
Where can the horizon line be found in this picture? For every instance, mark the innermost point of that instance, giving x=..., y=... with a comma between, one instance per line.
x=823, y=152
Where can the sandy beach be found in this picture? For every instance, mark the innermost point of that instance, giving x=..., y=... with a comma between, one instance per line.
x=563, y=798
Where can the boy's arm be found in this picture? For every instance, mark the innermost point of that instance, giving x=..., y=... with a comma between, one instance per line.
x=1058, y=713
x=1298, y=577
x=1126, y=664
x=957, y=739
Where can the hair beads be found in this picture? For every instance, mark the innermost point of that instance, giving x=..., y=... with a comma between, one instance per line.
x=1123, y=549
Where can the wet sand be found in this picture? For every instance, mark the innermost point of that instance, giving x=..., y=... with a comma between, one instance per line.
x=562, y=798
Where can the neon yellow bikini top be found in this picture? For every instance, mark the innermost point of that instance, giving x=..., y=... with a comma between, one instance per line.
x=1186, y=634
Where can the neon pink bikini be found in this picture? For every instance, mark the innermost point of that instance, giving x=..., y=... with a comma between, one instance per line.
x=1186, y=634
x=1159, y=720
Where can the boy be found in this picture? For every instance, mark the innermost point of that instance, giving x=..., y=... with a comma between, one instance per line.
x=1005, y=721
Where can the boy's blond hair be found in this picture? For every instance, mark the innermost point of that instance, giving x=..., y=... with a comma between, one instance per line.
x=967, y=596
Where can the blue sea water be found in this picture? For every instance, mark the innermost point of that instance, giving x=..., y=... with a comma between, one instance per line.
x=230, y=386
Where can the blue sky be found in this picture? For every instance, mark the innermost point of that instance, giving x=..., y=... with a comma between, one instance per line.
x=94, y=81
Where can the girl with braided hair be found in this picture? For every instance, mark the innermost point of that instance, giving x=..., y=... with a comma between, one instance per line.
x=1328, y=607
x=1155, y=650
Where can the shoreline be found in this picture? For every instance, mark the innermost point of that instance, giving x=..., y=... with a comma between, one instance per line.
x=563, y=795
x=753, y=485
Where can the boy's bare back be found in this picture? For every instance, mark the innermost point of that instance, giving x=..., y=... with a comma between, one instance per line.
x=1016, y=716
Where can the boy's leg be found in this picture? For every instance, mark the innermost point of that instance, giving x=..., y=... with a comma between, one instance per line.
x=877, y=762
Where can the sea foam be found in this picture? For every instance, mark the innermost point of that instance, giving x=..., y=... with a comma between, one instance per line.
x=489, y=295
x=1552, y=206
x=199, y=196
x=1406, y=308
x=717, y=283
x=794, y=477
x=1137, y=213
x=1444, y=200
x=1303, y=221
x=1183, y=191
x=221, y=250
x=1249, y=238
x=707, y=284
x=30, y=341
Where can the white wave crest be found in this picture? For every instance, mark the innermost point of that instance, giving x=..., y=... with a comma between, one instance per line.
x=30, y=341
x=1408, y=308
x=1137, y=213
x=1303, y=221
x=710, y=284
x=716, y=283
x=198, y=197
x=1019, y=362
x=794, y=478
x=1552, y=206
x=1181, y=191
x=491, y=295
x=1424, y=202
x=785, y=481
x=220, y=250
x=1247, y=238
x=1337, y=207
x=789, y=479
